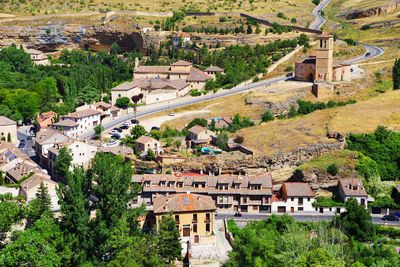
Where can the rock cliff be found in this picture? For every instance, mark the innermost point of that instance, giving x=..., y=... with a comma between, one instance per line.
x=376, y=11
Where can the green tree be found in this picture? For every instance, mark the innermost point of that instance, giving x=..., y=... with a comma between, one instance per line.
x=47, y=91
x=177, y=144
x=75, y=206
x=169, y=246
x=63, y=162
x=9, y=137
x=98, y=130
x=318, y=258
x=396, y=74
x=43, y=198
x=357, y=221
x=222, y=140
x=150, y=155
x=122, y=102
x=249, y=29
x=138, y=131
x=112, y=187
x=115, y=50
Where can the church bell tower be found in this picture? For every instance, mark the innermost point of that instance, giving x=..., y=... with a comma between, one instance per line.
x=323, y=67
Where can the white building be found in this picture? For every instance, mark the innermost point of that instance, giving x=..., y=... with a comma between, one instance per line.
x=78, y=122
x=185, y=37
x=38, y=57
x=349, y=188
x=46, y=139
x=81, y=153
x=294, y=197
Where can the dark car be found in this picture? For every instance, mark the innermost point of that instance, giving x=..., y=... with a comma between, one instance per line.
x=29, y=137
x=116, y=136
x=124, y=127
x=155, y=128
x=290, y=74
x=22, y=144
x=238, y=214
x=135, y=121
x=368, y=54
x=118, y=130
x=390, y=217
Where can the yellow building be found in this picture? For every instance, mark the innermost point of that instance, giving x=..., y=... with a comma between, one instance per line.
x=193, y=214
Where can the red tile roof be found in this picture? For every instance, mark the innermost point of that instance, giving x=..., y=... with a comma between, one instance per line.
x=183, y=203
x=295, y=189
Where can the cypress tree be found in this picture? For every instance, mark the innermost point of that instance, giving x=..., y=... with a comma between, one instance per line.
x=43, y=197
x=396, y=74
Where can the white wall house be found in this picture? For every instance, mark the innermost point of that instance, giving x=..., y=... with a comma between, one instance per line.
x=78, y=122
x=294, y=197
x=349, y=188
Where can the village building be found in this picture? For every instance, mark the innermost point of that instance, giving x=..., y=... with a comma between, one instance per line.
x=182, y=36
x=38, y=57
x=352, y=187
x=193, y=213
x=78, y=122
x=223, y=122
x=230, y=193
x=213, y=70
x=46, y=139
x=322, y=66
x=145, y=143
x=161, y=83
x=8, y=130
x=45, y=120
x=198, y=135
x=107, y=111
x=294, y=197
x=82, y=153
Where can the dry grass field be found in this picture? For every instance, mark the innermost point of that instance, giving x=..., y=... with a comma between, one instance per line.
x=300, y=9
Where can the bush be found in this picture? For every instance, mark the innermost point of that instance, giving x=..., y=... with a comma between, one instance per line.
x=239, y=139
x=332, y=169
x=267, y=116
x=222, y=19
x=281, y=15
x=122, y=102
x=293, y=20
x=168, y=171
x=350, y=41
x=316, y=2
x=289, y=68
x=365, y=27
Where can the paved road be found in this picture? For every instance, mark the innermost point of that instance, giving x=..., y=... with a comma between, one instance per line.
x=28, y=149
x=157, y=109
x=242, y=221
x=319, y=19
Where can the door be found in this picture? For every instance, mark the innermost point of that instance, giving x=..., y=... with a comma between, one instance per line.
x=235, y=208
x=291, y=209
x=186, y=230
x=196, y=239
x=281, y=209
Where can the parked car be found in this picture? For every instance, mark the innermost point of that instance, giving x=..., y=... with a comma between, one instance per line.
x=155, y=128
x=29, y=137
x=367, y=54
x=118, y=130
x=290, y=74
x=113, y=132
x=135, y=121
x=116, y=136
x=238, y=214
x=171, y=114
x=390, y=217
x=128, y=122
x=111, y=143
x=124, y=127
x=22, y=144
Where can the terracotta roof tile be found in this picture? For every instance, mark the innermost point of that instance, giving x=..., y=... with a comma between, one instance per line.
x=214, y=68
x=197, y=129
x=183, y=203
x=145, y=139
x=352, y=187
x=83, y=113
x=298, y=189
x=6, y=121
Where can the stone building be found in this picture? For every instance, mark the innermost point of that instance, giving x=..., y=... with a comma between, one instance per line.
x=322, y=67
x=8, y=128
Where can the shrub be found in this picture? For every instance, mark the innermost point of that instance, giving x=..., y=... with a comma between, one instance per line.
x=365, y=27
x=281, y=15
x=122, y=102
x=332, y=169
x=168, y=171
x=289, y=68
x=222, y=19
x=350, y=41
x=293, y=20
x=267, y=116
x=239, y=139
x=316, y=2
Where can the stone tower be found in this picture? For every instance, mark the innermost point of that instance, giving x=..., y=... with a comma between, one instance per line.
x=323, y=66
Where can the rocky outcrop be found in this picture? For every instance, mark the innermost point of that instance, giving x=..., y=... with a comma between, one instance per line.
x=376, y=11
x=58, y=35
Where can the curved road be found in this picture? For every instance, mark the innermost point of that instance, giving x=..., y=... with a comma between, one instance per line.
x=372, y=51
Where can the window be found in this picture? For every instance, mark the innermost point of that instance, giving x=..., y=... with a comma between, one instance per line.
x=237, y=186
x=207, y=217
x=177, y=219
x=194, y=228
x=255, y=207
x=292, y=198
x=195, y=218
x=226, y=199
x=300, y=201
x=162, y=183
x=207, y=227
x=300, y=209
x=244, y=200
x=180, y=184
x=221, y=199
x=308, y=199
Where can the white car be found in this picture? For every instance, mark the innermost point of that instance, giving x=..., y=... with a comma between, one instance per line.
x=127, y=123
x=171, y=114
x=111, y=143
x=113, y=132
